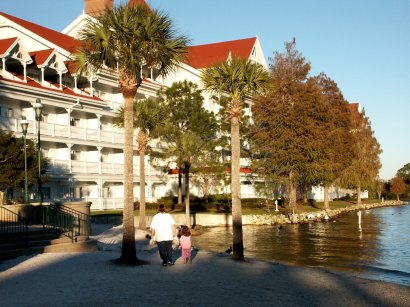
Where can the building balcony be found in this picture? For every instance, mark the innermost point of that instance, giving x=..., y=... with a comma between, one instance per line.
x=64, y=131
x=60, y=167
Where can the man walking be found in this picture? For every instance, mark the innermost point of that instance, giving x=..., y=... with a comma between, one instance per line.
x=163, y=231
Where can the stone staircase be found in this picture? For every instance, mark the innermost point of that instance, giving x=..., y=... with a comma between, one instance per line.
x=43, y=240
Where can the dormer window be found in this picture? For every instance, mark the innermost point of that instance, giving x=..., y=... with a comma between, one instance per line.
x=35, y=75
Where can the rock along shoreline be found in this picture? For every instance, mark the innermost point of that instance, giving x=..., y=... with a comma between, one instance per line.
x=323, y=215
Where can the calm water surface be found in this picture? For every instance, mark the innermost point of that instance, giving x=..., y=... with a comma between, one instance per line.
x=379, y=248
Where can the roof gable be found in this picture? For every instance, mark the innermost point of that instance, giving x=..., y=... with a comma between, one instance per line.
x=49, y=58
x=61, y=40
x=41, y=57
x=12, y=48
x=202, y=56
x=6, y=45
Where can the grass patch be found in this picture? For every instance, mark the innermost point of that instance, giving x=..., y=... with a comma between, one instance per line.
x=311, y=207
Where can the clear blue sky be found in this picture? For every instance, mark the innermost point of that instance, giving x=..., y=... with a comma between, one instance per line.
x=364, y=45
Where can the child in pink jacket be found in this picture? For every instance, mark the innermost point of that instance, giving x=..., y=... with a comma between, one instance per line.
x=186, y=244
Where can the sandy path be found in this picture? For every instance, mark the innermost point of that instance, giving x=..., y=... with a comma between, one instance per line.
x=92, y=279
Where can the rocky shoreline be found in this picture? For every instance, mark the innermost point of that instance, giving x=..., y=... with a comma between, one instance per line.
x=323, y=215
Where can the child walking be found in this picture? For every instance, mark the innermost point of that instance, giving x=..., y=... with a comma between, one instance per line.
x=186, y=244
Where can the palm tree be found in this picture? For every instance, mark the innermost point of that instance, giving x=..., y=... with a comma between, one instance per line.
x=191, y=131
x=187, y=147
x=149, y=118
x=235, y=78
x=126, y=39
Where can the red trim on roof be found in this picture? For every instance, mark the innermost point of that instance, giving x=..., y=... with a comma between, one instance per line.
x=34, y=84
x=5, y=44
x=202, y=56
x=64, y=41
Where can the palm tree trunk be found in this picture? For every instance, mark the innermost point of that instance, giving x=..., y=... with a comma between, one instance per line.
x=359, y=198
x=326, y=197
x=237, y=245
x=187, y=211
x=292, y=190
x=142, y=222
x=128, y=250
x=179, y=186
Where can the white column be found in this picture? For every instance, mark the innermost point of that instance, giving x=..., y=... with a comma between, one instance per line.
x=150, y=191
x=69, y=121
x=100, y=194
x=70, y=163
x=99, y=127
x=100, y=158
x=91, y=86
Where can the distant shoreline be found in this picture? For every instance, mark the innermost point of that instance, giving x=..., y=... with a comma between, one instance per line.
x=225, y=219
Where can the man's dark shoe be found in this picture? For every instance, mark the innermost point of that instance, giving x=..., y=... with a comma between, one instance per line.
x=164, y=264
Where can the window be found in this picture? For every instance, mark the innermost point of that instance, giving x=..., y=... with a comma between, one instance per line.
x=67, y=82
x=75, y=122
x=34, y=75
x=10, y=113
x=75, y=155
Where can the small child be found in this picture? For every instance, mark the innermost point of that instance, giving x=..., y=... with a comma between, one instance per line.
x=185, y=242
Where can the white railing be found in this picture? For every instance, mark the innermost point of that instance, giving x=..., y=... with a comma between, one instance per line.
x=112, y=137
x=87, y=167
x=65, y=131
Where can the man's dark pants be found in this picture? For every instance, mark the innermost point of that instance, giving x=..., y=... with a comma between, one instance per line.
x=165, y=251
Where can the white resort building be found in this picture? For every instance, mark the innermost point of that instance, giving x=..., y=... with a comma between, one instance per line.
x=84, y=149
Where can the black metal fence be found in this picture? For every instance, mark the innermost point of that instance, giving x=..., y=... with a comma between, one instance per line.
x=71, y=222
x=12, y=225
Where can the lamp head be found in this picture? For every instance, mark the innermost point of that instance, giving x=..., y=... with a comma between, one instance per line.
x=24, y=125
x=38, y=108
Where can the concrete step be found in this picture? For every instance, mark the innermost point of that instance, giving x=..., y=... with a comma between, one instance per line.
x=83, y=244
x=43, y=240
x=42, y=236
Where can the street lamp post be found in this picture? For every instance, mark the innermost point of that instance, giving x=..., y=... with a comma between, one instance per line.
x=24, y=126
x=38, y=109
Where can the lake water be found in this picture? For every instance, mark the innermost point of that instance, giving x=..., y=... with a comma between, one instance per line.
x=378, y=248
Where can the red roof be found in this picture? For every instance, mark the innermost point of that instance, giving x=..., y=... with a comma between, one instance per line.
x=6, y=43
x=40, y=57
x=207, y=55
x=354, y=106
x=139, y=2
x=63, y=41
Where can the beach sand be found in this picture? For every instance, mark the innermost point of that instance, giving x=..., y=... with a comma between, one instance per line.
x=93, y=279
